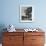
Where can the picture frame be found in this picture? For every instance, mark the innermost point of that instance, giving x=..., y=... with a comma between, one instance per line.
x=26, y=13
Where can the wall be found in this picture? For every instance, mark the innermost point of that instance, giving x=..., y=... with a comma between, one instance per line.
x=10, y=13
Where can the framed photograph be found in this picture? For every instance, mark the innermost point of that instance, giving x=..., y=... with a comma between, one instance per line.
x=26, y=13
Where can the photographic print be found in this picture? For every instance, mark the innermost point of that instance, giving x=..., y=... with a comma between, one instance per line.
x=26, y=13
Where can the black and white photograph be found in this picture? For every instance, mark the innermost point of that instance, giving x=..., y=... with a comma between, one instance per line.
x=26, y=13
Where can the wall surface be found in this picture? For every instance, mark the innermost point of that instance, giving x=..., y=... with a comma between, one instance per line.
x=10, y=13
